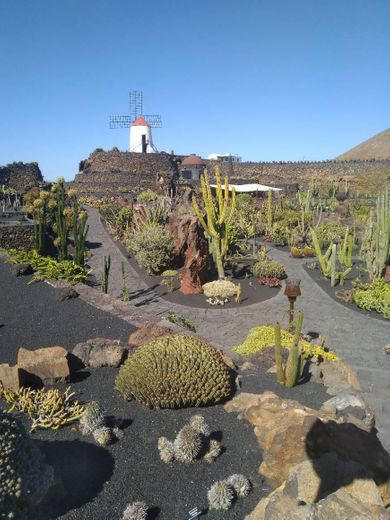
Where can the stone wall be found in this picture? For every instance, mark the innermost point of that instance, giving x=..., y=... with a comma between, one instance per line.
x=114, y=172
x=21, y=176
x=284, y=173
x=17, y=237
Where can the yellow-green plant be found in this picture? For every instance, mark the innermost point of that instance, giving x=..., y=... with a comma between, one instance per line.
x=46, y=408
x=219, y=214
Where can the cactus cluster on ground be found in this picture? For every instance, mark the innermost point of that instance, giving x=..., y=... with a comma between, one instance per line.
x=192, y=443
x=175, y=371
x=136, y=511
x=93, y=422
x=222, y=493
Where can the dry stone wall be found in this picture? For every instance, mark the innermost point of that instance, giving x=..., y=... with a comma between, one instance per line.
x=111, y=173
x=21, y=176
x=17, y=237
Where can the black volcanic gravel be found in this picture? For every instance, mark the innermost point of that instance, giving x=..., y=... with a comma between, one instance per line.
x=32, y=317
x=99, y=481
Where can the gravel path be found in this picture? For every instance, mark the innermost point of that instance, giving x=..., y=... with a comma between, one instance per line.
x=358, y=339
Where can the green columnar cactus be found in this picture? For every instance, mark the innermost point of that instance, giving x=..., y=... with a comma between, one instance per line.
x=218, y=216
x=333, y=259
x=323, y=259
x=270, y=220
x=345, y=252
x=62, y=229
x=292, y=366
x=106, y=273
x=278, y=356
x=80, y=231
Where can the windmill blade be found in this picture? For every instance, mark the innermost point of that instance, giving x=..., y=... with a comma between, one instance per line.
x=154, y=121
x=121, y=121
x=135, y=103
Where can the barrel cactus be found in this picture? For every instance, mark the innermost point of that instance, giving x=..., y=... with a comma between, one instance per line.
x=174, y=372
x=220, y=496
x=240, y=484
x=92, y=418
x=24, y=478
x=135, y=511
x=187, y=445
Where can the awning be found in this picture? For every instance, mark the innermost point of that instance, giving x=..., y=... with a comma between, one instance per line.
x=248, y=188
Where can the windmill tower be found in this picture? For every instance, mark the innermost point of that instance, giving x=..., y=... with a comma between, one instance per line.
x=140, y=124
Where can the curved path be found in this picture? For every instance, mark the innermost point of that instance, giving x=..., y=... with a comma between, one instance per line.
x=356, y=338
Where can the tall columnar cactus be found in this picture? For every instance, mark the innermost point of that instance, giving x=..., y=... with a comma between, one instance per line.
x=62, y=228
x=376, y=243
x=80, y=231
x=270, y=219
x=106, y=273
x=218, y=216
x=345, y=251
x=328, y=260
x=278, y=356
x=292, y=366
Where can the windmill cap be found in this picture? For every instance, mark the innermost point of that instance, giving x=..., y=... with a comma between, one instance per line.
x=140, y=121
x=193, y=160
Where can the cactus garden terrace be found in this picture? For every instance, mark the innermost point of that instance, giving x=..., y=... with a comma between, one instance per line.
x=169, y=320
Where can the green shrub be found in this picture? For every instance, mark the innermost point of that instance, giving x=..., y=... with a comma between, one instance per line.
x=289, y=218
x=124, y=217
x=25, y=479
x=152, y=247
x=174, y=372
x=374, y=296
x=330, y=231
x=266, y=268
x=147, y=196
x=280, y=234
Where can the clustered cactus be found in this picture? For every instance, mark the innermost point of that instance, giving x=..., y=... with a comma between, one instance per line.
x=136, y=511
x=174, y=372
x=93, y=422
x=24, y=478
x=222, y=493
x=191, y=444
x=220, y=289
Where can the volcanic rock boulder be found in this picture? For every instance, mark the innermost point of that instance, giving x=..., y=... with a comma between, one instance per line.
x=10, y=377
x=191, y=246
x=100, y=352
x=44, y=365
x=148, y=332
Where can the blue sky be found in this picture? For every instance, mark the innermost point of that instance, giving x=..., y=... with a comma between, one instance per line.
x=269, y=80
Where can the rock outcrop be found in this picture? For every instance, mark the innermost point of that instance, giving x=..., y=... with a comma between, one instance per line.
x=21, y=176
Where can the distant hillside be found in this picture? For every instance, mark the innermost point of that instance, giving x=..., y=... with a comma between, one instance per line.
x=377, y=147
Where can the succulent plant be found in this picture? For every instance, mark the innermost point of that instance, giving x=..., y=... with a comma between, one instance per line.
x=198, y=423
x=214, y=451
x=219, y=289
x=92, y=418
x=174, y=372
x=240, y=484
x=166, y=449
x=24, y=480
x=220, y=496
x=187, y=445
x=103, y=435
x=135, y=511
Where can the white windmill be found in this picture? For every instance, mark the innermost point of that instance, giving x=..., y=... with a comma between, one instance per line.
x=141, y=125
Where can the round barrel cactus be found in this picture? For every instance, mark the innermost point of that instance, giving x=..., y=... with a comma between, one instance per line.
x=174, y=372
x=24, y=478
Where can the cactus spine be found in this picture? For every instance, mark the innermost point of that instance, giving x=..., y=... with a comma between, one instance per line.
x=218, y=216
x=292, y=366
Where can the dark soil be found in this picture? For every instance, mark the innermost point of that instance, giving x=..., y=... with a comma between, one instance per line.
x=100, y=482
x=31, y=317
x=324, y=283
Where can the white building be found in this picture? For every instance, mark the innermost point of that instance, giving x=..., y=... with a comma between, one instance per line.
x=141, y=137
x=225, y=157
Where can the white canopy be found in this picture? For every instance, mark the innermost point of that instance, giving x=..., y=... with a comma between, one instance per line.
x=248, y=188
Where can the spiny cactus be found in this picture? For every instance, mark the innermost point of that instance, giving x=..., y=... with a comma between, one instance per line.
x=187, y=445
x=240, y=484
x=214, y=451
x=220, y=496
x=24, y=479
x=198, y=423
x=103, y=435
x=174, y=372
x=166, y=449
x=136, y=511
x=292, y=365
x=92, y=418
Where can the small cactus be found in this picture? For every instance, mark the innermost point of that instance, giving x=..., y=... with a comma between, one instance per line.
x=92, y=418
x=240, y=484
x=187, y=444
x=220, y=496
x=198, y=423
x=135, y=511
x=214, y=451
x=166, y=449
x=103, y=435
